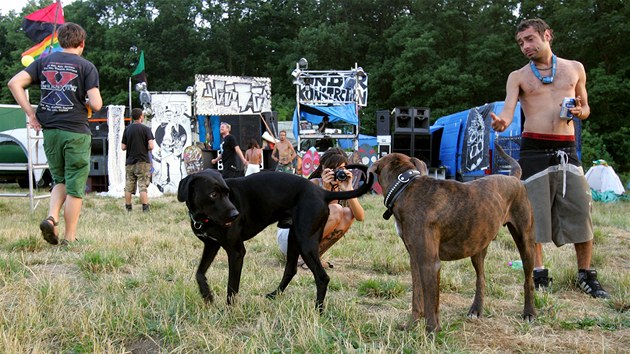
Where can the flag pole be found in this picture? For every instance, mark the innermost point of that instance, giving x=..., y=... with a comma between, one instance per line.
x=52, y=38
x=130, y=96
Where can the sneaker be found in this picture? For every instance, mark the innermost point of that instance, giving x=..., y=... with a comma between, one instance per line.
x=128, y=207
x=588, y=283
x=146, y=208
x=542, y=279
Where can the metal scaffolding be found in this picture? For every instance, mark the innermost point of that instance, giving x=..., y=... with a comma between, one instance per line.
x=34, y=142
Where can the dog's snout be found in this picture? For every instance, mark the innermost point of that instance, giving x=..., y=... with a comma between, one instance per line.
x=234, y=214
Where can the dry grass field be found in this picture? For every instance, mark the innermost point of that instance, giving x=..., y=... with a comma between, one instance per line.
x=128, y=285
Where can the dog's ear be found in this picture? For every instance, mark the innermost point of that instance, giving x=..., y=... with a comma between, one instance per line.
x=182, y=191
x=420, y=166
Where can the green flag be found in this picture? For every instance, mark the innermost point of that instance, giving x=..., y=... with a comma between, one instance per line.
x=139, y=73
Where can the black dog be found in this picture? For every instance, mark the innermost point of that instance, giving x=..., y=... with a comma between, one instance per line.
x=225, y=213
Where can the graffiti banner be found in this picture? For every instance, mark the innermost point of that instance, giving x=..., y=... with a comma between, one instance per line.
x=232, y=95
x=475, y=152
x=171, y=128
x=333, y=87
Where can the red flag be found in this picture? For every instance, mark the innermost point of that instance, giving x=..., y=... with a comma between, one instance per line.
x=40, y=23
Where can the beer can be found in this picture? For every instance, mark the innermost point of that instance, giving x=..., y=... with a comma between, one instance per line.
x=565, y=110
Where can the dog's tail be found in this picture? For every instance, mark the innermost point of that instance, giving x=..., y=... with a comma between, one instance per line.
x=515, y=167
x=364, y=188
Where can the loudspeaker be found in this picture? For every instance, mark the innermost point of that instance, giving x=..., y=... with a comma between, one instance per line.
x=244, y=129
x=421, y=119
x=411, y=119
x=402, y=119
x=416, y=145
x=382, y=123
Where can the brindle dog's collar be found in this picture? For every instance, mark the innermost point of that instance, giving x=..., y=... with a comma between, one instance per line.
x=394, y=191
x=198, y=224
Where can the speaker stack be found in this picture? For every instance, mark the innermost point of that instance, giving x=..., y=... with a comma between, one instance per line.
x=411, y=132
x=383, y=134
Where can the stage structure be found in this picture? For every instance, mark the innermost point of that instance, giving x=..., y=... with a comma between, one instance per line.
x=328, y=97
x=242, y=101
x=232, y=95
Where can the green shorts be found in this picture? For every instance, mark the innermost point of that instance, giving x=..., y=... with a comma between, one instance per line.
x=288, y=168
x=68, y=157
x=138, y=174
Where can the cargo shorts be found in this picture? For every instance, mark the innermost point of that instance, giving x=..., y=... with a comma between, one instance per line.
x=138, y=176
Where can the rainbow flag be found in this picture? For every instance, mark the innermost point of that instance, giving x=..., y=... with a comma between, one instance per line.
x=44, y=47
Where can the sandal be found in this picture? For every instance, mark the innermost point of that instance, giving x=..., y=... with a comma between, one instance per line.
x=48, y=230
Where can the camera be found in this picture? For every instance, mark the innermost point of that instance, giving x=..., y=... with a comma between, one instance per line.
x=340, y=175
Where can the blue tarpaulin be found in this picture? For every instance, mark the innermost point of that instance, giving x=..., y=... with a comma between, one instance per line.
x=363, y=139
x=315, y=114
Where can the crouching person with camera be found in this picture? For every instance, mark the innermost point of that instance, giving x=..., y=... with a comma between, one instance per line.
x=332, y=175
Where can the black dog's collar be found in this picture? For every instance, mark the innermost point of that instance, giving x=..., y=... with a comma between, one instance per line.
x=198, y=224
x=394, y=191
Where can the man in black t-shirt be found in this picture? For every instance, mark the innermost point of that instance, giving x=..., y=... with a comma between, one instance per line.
x=138, y=141
x=228, y=152
x=69, y=87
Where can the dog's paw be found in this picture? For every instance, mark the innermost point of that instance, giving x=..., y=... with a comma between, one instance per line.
x=272, y=295
x=474, y=313
x=208, y=298
x=408, y=325
x=529, y=318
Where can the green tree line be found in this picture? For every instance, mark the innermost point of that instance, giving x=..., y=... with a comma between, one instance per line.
x=448, y=55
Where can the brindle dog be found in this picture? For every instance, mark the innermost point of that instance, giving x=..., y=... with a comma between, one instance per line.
x=444, y=220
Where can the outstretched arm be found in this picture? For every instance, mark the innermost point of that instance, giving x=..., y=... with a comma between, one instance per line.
x=503, y=120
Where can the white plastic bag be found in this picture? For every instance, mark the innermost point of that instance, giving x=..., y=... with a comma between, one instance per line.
x=283, y=240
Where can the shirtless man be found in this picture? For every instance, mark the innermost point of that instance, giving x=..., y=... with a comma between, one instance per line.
x=254, y=157
x=286, y=154
x=552, y=171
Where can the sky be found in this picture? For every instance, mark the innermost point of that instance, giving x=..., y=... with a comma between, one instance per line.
x=17, y=5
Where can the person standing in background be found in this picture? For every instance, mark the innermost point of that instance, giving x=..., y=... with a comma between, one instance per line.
x=286, y=154
x=228, y=152
x=69, y=88
x=254, y=156
x=137, y=141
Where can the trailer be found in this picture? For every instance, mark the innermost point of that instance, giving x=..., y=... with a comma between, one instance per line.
x=466, y=141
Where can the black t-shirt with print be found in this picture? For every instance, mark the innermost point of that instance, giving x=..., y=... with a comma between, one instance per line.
x=64, y=79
